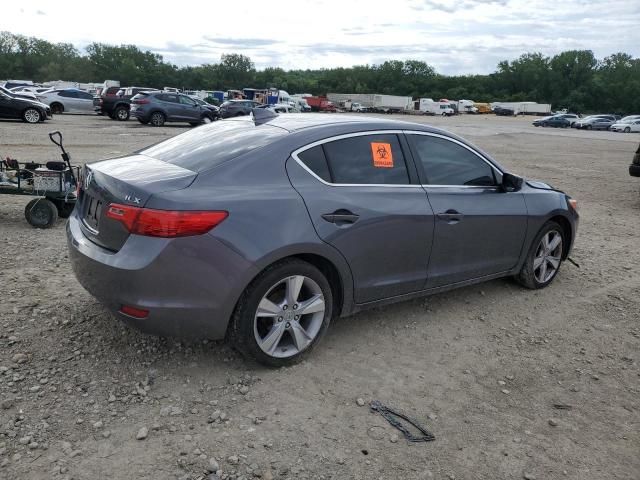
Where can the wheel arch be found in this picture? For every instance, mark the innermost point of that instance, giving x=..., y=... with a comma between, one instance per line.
x=566, y=230
x=55, y=103
x=339, y=279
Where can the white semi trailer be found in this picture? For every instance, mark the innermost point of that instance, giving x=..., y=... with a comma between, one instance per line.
x=524, y=108
x=373, y=101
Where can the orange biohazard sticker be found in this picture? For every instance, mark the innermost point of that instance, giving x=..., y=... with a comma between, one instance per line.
x=382, y=156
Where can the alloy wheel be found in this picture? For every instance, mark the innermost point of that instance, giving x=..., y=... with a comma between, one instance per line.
x=289, y=316
x=548, y=256
x=32, y=115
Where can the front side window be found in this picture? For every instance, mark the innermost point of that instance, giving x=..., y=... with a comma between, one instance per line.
x=186, y=101
x=360, y=160
x=447, y=163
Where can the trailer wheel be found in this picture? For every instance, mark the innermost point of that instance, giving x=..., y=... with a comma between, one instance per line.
x=41, y=213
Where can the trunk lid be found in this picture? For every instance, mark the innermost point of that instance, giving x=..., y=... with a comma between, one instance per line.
x=129, y=180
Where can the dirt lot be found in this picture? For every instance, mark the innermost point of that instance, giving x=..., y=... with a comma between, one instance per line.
x=482, y=367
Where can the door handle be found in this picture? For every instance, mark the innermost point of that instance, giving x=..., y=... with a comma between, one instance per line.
x=451, y=216
x=341, y=217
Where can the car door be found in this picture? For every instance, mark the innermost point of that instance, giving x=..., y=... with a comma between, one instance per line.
x=479, y=227
x=69, y=100
x=363, y=198
x=170, y=103
x=85, y=102
x=189, y=109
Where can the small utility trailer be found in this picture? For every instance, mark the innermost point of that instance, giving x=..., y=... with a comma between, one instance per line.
x=53, y=185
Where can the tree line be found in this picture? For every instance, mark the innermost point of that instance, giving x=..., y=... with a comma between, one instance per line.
x=573, y=79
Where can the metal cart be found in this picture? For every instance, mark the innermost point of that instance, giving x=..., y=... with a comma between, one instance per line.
x=54, y=184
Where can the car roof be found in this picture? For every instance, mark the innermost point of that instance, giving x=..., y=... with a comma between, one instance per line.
x=298, y=121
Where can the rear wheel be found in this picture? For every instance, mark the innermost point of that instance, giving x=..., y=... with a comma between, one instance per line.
x=283, y=314
x=31, y=115
x=41, y=213
x=57, y=108
x=121, y=114
x=545, y=257
x=157, y=119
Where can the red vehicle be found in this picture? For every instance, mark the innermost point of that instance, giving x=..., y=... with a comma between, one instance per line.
x=320, y=104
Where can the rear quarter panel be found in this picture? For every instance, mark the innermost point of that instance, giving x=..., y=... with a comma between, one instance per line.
x=267, y=221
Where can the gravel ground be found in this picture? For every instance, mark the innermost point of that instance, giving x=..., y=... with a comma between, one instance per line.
x=513, y=383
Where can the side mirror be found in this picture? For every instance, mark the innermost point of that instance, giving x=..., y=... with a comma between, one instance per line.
x=511, y=183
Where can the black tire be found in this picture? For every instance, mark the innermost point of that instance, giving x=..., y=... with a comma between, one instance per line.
x=121, y=114
x=526, y=277
x=627, y=129
x=545, y=124
x=206, y=119
x=41, y=213
x=241, y=329
x=64, y=208
x=57, y=108
x=157, y=119
x=31, y=115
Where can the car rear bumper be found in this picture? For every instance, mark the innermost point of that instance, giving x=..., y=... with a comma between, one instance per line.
x=189, y=285
x=634, y=170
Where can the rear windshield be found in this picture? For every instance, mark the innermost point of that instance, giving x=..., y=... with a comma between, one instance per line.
x=203, y=148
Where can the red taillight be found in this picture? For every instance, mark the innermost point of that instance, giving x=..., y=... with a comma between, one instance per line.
x=165, y=223
x=134, y=312
x=141, y=101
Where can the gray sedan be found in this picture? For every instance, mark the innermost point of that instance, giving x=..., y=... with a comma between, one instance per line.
x=265, y=230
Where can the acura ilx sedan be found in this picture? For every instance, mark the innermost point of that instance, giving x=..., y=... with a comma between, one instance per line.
x=264, y=229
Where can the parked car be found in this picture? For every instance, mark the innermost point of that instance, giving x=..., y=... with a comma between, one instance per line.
x=68, y=100
x=595, y=123
x=237, y=108
x=634, y=168
x=626, y=126
x=14, y=106
x=563, y=120
x=506, y=112
x=117, y=105
x=157, y=108
x=266, y=230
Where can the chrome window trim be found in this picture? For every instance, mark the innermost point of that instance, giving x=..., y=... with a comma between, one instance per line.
x=453, y=140
x=296, y=152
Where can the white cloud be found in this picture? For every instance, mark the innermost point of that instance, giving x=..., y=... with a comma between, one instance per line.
x=455, y=36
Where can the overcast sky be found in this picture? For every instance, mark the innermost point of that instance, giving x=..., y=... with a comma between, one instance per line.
x=454, y=36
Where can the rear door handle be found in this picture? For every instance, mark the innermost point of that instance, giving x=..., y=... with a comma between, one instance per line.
x=341, y=217
x=451, y=216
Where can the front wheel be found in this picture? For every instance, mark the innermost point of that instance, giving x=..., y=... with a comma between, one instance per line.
x=31, y=115
x=627, y=130
x=283, y=313
x=57, y=108
x=41, y=213
x=544, y=259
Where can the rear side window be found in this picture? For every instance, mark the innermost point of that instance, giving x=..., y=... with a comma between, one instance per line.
x=447, y=163
x=203, y=148
x=367, y=159
x=315, y=160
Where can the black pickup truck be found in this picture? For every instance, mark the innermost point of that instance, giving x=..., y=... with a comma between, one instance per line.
x=117, y=105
